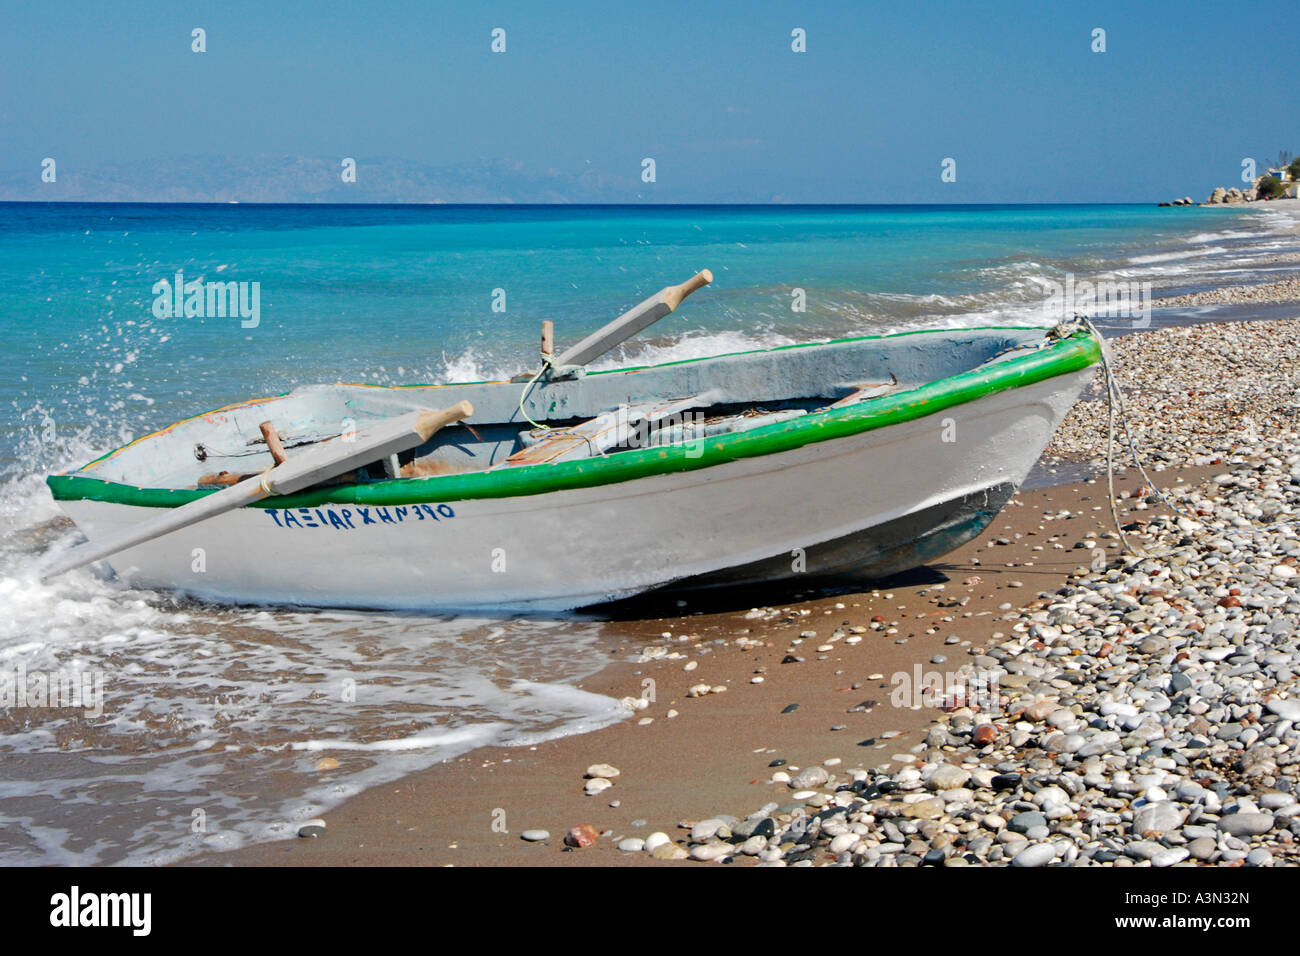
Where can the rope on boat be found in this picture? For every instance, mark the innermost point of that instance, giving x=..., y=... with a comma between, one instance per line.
x=546, y=363
x=1115, y=397
x=1110, y=459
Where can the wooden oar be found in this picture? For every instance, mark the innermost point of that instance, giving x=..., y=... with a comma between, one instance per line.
x=631, y=322
x=318, y=463
x=273, y=445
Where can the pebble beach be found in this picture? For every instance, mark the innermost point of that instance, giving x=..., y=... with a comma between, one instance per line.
x=1149, y=708
x=1095, y=701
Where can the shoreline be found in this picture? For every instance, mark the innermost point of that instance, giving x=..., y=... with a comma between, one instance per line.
x=712, y=738
x=707, y=767
x=1279, y=291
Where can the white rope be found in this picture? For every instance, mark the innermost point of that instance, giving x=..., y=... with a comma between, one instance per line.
x=1118, y=398
x=546, y=363
x=1115, y=397
x=1110, y=458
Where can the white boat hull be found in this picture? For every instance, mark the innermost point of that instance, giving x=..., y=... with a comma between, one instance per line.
x=573, y=548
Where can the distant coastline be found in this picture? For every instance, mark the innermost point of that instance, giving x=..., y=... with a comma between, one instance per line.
x=314, y=180
x=1277, y=182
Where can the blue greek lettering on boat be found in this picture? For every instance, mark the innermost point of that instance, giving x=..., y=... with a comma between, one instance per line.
x=341, y=520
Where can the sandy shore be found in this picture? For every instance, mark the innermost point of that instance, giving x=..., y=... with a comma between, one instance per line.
x=802, y=747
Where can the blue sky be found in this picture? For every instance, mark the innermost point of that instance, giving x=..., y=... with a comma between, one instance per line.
x=712, y=91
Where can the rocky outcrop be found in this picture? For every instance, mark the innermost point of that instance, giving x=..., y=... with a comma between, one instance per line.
x=1222, y=196
x=1231, y=195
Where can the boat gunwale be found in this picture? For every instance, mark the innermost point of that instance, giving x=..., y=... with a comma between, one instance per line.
x=1073, y=353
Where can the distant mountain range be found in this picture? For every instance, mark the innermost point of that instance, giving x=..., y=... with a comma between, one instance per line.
x=299, y=179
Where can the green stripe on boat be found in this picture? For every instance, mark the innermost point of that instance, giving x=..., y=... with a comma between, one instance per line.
x=1068, y=355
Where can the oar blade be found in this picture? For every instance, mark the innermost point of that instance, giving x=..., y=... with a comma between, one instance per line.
x=319, y=463
x=245, y=492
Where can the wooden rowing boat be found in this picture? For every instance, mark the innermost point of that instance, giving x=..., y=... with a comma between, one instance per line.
x=846, y=460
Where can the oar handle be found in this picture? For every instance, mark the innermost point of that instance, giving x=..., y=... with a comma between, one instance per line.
x=630, y=323
x=674, y=294
x=430, y=422
x=273, y=444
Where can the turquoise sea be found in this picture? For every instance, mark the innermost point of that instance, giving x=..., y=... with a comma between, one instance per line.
x=401, y=294
x=416, y=294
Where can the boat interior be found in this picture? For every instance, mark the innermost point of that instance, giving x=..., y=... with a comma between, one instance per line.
x=563, y=417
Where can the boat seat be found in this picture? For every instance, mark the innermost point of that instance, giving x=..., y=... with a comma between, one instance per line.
x=597, y=435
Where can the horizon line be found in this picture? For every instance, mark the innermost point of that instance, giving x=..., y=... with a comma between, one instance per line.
x=577, y=205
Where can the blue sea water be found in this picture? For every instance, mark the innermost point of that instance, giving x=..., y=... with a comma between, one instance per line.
x=401, y=294
x=407, y=294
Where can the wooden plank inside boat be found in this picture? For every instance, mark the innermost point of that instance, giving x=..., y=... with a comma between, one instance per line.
x=598, y=435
